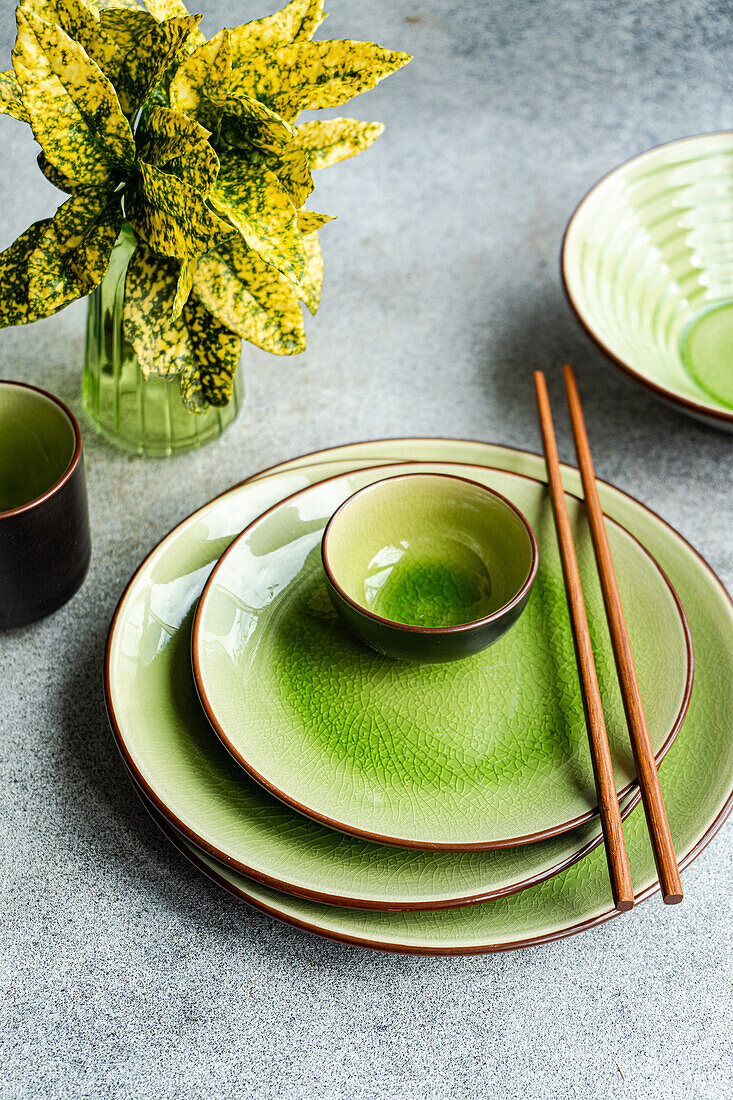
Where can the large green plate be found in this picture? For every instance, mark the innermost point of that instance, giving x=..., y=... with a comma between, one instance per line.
x=172, y=752
x=487, y=752
x=696, y=777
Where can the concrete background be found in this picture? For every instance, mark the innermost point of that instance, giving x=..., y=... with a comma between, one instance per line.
x=125, y=973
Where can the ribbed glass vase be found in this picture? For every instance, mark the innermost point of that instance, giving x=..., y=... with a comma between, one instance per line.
x=147, y=417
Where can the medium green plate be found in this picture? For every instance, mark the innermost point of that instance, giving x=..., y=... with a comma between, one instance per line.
x=696, y=777
x=487, y=752
x=172, y=753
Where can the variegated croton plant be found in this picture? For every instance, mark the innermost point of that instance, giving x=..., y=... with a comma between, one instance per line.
x=194, y=143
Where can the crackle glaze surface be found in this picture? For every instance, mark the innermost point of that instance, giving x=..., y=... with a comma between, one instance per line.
x=174, y=754
x=696, y=776
x=484, y=752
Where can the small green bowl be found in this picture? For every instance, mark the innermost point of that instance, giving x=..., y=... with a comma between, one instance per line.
x=647, y=263
x=429, y=567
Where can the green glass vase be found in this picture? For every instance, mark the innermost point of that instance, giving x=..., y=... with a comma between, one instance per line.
x=146, y=417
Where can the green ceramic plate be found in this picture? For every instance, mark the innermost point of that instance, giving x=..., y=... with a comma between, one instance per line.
x=648, y=268
x=171, y=751
x=487, y=752
x=697, y=776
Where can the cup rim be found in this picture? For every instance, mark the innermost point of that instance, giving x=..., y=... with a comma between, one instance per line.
x=707, y=412
x=458, y=628
x=73, y=462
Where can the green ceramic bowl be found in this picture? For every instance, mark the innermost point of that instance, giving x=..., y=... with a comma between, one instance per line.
x=428, y=567
x=647, y=263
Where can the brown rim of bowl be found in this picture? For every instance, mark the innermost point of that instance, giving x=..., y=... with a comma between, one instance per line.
x=73, y=462
x=170, y=818
x=707, y=412
x=411, y=949
x=379, y=838
x=459, y=628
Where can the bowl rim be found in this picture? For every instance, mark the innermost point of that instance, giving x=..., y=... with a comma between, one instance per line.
x=439, y=631
x=73, y=461
x=706, y=412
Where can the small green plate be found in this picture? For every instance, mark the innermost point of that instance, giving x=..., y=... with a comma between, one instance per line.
x=488, y=752
x=696, y=776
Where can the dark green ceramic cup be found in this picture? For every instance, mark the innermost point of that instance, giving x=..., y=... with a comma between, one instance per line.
x=44, y=522
x=429, y=567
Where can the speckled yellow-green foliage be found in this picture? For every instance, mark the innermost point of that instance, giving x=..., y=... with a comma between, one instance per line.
x=201, y=81
x=261, y=209
x=168, y=215
x=251, y=298
x=73, y=109
x=80, y=19
x=291, y=168
x=170, y=140
x=246, y=122
x=184, y=285
x=160, y=341
x=72, y=253
x=309, y=290
x=169, y=9
x=11, y=102
x=309, y=220
x=52, y=174
x=209, y=378
x=331, y=140
x=16, y=307
x=154, y=50
x=296, y=22
x=313, y=75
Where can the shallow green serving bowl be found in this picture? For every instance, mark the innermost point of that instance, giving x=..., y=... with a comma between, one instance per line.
x=647, y=263
x=428, y=567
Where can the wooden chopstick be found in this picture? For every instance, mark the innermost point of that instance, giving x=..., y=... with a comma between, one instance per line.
x=613, y=834
x=646, y=768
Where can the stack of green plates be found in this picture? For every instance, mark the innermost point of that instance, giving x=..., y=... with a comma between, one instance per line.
x=430, y=809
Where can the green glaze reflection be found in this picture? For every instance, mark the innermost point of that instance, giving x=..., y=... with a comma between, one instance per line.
x=430, y=582
x=36, y=445
x=485, y=750
x=706, y=348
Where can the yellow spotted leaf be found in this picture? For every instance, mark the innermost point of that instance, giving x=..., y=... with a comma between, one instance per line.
x=73, y=109
x=309, y=221
x=72, y=253
x=334, y=139
x=251, y=298
x=58, y=179
x=313, y=75
x=291, y=168
x=246, y=121
x=16, y=305
x=296, y=22
x=170, y=140
x=184, y=285
x=309, y=290
x=201, y=81
x=11, y=101
x=209, y=378
x=168, y=215
x=160, y=340
x=80, y=20
x=169, y=9
x=155, y=48
x=255, y=201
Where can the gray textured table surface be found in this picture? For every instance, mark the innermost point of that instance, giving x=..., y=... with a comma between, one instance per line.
x=125, y=973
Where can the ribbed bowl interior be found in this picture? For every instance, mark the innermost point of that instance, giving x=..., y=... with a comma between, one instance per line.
x=649, y=250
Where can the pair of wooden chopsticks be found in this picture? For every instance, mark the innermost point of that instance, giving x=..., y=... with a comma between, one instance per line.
x=646, y=768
